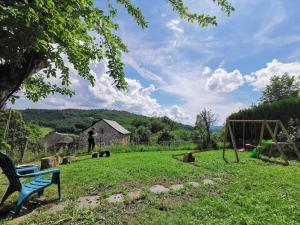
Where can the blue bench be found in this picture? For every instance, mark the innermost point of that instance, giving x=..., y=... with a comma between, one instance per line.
x=27, y=189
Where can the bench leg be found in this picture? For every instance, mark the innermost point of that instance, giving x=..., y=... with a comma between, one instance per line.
x=59, y=192
x=22, y=198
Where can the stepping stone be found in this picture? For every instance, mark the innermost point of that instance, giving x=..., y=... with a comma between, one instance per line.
x=208, y=182
x=134, y=195
x=59, y=206
x=194, y=184
x=116, y=198
x=159, y=189
x=88, y=201
x=176, y=187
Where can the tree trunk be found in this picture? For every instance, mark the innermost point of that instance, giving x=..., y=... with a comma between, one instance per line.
x=12, y=77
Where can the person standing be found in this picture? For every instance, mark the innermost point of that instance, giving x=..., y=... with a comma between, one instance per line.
x=91, y=139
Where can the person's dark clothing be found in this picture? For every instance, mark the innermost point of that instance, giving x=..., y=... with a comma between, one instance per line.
x=91, y=140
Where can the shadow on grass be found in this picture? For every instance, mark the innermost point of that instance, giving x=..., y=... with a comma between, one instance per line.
x=7, y=211
x=273, y=161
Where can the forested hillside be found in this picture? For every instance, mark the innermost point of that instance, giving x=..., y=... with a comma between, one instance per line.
x=74, y=120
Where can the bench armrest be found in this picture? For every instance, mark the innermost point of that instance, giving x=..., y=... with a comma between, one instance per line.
x=39, y=173
x=32, y=168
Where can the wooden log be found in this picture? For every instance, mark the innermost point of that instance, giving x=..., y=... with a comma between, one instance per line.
x=49, y=162
x=67, y=160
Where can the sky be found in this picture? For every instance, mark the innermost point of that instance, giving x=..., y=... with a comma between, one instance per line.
x=176, y=69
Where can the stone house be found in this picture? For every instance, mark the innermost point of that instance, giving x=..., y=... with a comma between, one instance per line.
x=58, y=141
x=108, y=132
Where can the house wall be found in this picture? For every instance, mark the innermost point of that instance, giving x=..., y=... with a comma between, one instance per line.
x=106, y=135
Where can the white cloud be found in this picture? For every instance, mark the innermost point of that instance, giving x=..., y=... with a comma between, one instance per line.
x=174, y=26
x=145, y=73
x=271, y=20
x=261, y=78
x=223, y=81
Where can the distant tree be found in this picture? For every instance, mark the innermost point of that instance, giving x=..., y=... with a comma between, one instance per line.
x=171, y=125
x=156, y=126
x=144, y=135
x=280, y=87
x=140, y=122
x=165, y=138
x=16, y=132
x=204, y=121
x=36, y=35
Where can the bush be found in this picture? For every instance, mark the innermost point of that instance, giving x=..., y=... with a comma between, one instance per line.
x=165, y=138
x=282, y=110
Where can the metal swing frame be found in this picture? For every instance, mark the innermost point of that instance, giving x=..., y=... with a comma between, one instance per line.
x=265, y=124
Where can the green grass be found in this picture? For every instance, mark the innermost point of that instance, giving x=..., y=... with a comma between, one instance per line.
x=251, y=192
x=149, y=148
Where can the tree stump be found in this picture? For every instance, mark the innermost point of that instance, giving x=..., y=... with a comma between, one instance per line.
x=66, y=159
x=95, y=155
x=49, y=162
x=188, y=157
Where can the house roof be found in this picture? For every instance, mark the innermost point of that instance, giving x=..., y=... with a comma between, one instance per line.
x=113, y=124
x=116, y=126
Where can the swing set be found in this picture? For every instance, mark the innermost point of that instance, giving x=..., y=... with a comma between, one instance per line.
x=265, y=127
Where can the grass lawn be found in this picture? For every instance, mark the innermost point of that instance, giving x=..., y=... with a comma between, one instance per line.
x=251, y=192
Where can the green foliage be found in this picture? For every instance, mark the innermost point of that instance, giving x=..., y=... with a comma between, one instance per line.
x=16, y=132
x=143, y=135
x=156, y=126
x=281, y=87
x=204, y=122
x=38, y=36
x=283, y=110
x=165, y=138
x=75, y=120
x=34, y=132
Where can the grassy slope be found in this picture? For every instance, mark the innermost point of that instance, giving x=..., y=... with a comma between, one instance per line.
x=45, y=131
x=252, y=192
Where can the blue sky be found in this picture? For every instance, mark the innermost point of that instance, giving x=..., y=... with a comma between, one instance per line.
x=175, y=68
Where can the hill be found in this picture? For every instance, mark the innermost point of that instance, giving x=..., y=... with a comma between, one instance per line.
x=74, y=120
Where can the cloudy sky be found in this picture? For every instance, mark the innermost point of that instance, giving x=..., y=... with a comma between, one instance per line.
x=175, y=68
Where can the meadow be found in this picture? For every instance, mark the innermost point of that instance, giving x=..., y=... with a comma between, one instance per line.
x=251, y=192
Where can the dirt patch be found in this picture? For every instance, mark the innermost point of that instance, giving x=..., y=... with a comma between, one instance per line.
x=134, y=195
x=176, y=187
x=194, y=184
x=117, y=198
x=59, y=206
x=88, y=201
x=159, y=189
x=208, y=181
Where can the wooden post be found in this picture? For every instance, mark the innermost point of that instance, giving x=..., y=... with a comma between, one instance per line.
x=289, y=140
x=23, y=150
x=244, y=124
x=262, y=131
x=225, y=139
x=277, y=145
x=233, y=142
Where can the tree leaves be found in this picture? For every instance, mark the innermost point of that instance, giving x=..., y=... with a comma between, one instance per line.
x=280, y=87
